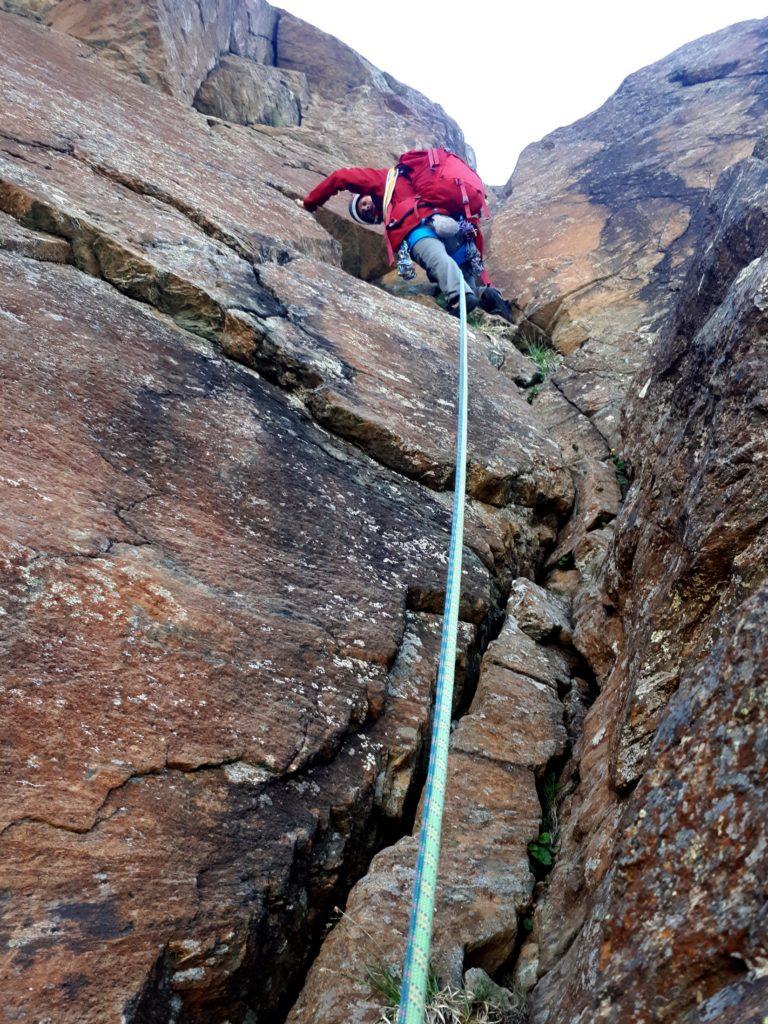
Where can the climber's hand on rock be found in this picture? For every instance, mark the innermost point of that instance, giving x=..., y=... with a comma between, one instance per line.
x=300, y=202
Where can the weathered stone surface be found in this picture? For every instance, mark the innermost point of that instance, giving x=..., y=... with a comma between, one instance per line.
x=514, y=718
x=402, y=734
x=484, y=877
x=517, y=652
x=199, y=266
x=245, y=92
x=670, y=595
x=540, y=614
x=492, y=812
x=146, y=514
x=104, y=135
x=170, y=44
x=232, y=50
x=222, y=583
x=366, y=111
x=577, y=436
x=598, y=498
x=593, y=236
x=680, y=913
x=597, y=631
x=219, y=620
x=370, y=379
x=36, y=244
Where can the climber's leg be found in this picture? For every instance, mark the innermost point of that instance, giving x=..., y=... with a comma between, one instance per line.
x=430, y=254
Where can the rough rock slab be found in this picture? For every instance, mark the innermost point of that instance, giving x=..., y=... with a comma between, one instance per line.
x=201, y=600
x=672, y=603
x=371, y=374
x=174, y=45
x=517, y=652
x=170, y=44
x=371, y=116
x=680, y=913
x=596, y=227
x=154, y=145
x=148, y=236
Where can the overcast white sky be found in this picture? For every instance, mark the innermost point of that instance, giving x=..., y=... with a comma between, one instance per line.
x=510, y=74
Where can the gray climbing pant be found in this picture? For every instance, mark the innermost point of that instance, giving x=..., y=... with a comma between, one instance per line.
x=431, y=254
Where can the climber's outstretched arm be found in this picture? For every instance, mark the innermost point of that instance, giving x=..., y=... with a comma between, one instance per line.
x=369, y=181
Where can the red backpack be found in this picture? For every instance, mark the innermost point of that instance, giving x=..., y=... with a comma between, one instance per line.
x=443, y=179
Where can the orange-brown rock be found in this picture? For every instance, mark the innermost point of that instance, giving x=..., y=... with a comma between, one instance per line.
x=594, y=233
x=513, y=727
x=223, y=547
x=244, y=92
x=654, y=905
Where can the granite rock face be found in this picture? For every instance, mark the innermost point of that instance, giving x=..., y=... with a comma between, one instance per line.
x=594, y=234
x=639, y=921
x=225, y=489
x=512, y=729
x=226, y=501
x=250, y=63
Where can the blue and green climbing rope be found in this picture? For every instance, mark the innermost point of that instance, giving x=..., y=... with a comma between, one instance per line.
x=416, y=965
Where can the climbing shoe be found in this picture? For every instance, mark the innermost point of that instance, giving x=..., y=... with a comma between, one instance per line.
x=492, y=301
x=452, y=306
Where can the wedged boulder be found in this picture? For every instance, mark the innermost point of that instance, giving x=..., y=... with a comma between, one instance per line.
x=599, y=218
x=565, y=423
x=514, y=718
x=598, y=499
x=245, y=92
x=542, y=615
x=515, y=651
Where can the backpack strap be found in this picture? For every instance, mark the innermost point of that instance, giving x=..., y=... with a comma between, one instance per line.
x=434, y=160
x=464, y=199
x=389, y=190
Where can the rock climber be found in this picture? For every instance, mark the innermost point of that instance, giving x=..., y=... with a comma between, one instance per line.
x=430, y=204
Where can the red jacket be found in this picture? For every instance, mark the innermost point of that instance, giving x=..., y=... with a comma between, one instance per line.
x=406, y=212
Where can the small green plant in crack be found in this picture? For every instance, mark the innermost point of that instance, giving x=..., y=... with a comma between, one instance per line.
x=532, y=393
x=446, y=1004
x=622, y=471
x=542, y=355
x=541, y=851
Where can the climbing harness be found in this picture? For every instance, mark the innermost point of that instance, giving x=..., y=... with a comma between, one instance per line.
x=466, y=253
x=416, y=964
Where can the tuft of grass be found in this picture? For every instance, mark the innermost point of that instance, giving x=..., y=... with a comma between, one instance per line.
x=543, y=356
x=445, y=1004
x=532, y=393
